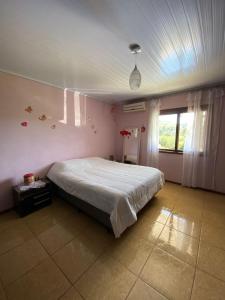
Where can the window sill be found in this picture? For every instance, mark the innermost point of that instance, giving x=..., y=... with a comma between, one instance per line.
x=170, y=151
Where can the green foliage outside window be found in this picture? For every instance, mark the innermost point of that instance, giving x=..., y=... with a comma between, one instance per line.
x=167, y=131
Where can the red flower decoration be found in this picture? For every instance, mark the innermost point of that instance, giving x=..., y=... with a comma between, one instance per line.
x=125, y=132
x=143, y=129
x=24, y=124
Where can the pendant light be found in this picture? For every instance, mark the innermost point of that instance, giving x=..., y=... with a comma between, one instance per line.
x=135, y=76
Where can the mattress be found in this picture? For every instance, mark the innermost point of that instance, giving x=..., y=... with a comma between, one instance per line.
x=119, y=189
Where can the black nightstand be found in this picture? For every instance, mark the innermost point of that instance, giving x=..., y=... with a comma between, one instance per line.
x=32, y=199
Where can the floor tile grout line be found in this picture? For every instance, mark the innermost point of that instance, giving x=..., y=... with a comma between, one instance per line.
x=155, y=245
x=150, y=242
x=51, y=254
x=27, y=271
x=188, y=235
x=19, y=245
x=71, y=287
x=142, y=279
x=136, y=279
x=138, y=276
x=211, y=275
x=180, y=259
x=1, y=283
x=154, y=288
x=73, y=283
x=24, y=274
x=94, y=262
x=46, y=252
x=196, y=260
x=48, y=257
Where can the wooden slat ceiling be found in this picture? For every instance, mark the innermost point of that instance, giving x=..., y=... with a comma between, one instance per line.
x=84, y=44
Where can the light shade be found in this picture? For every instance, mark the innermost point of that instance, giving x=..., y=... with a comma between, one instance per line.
x=135, y=79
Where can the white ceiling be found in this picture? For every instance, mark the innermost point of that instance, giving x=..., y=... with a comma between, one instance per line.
x=83, y=44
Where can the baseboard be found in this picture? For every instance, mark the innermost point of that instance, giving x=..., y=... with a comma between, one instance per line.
x=198, y=188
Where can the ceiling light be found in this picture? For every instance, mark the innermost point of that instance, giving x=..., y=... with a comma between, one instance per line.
x=135, y=76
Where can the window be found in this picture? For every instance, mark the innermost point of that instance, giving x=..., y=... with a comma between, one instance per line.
x=173, y=126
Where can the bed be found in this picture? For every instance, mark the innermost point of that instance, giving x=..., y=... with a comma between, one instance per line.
x=112, y=192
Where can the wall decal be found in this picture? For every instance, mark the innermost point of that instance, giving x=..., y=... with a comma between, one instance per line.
x=92, y=126
x=143, y=129
x=95, y=131
x=28, y=109
x=53, y=126
x=42, y=118
x=125, y=133
x=24, y=124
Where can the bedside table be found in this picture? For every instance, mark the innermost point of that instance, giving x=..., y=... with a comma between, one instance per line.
x=32, y=199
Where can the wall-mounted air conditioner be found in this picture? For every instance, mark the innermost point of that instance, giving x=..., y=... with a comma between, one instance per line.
x=139, y=106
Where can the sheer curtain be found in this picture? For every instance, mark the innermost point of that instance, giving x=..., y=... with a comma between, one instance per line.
x=153, y=133
x=201, y=144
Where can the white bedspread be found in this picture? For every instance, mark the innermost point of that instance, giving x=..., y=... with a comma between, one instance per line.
x=118, y=189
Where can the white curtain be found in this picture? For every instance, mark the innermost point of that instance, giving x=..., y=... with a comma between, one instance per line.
x=201, y=145
x=153, y=134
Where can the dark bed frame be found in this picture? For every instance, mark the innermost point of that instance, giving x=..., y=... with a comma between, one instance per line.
x=85, y=207
x=81, y=205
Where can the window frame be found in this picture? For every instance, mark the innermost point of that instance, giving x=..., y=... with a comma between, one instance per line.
x=177, y=111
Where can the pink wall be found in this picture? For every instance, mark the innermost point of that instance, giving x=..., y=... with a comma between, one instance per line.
x=170, y=164
x=36, y=147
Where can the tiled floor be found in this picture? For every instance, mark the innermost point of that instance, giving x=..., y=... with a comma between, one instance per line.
x=176, y=250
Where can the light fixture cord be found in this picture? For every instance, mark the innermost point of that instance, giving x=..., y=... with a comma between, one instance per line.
x=135, y=59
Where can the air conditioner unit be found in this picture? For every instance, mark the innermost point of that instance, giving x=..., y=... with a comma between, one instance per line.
x=139, y=106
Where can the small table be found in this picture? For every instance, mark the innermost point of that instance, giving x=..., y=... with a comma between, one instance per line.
x=33, y=198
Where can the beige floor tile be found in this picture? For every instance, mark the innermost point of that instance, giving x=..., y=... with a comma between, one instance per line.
x=169, y=275
x=106, y=279
x=214, y=203
x=55, y=238
x=155, y=214
x=98, y=234
x=9, y=219
x=213, y=218
x=207, y=287
x=171, y=189
x=189, y=203
x=76, y=223
x=185, y=224
x=71, y=294
x=212, y=260
x=14, y=236
x=44, y=282
x=143, y=291
x=2, y=293
x=188, y=211
x=83, y=248
x=38, y=215
x=132, y=252
x=146, y=230
x=61, y=209
x=38, y=226
x=21, y=259
x=47, y=217
x=213, y=235
x=163, y=200
x=179, y=244
x=77, y=256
